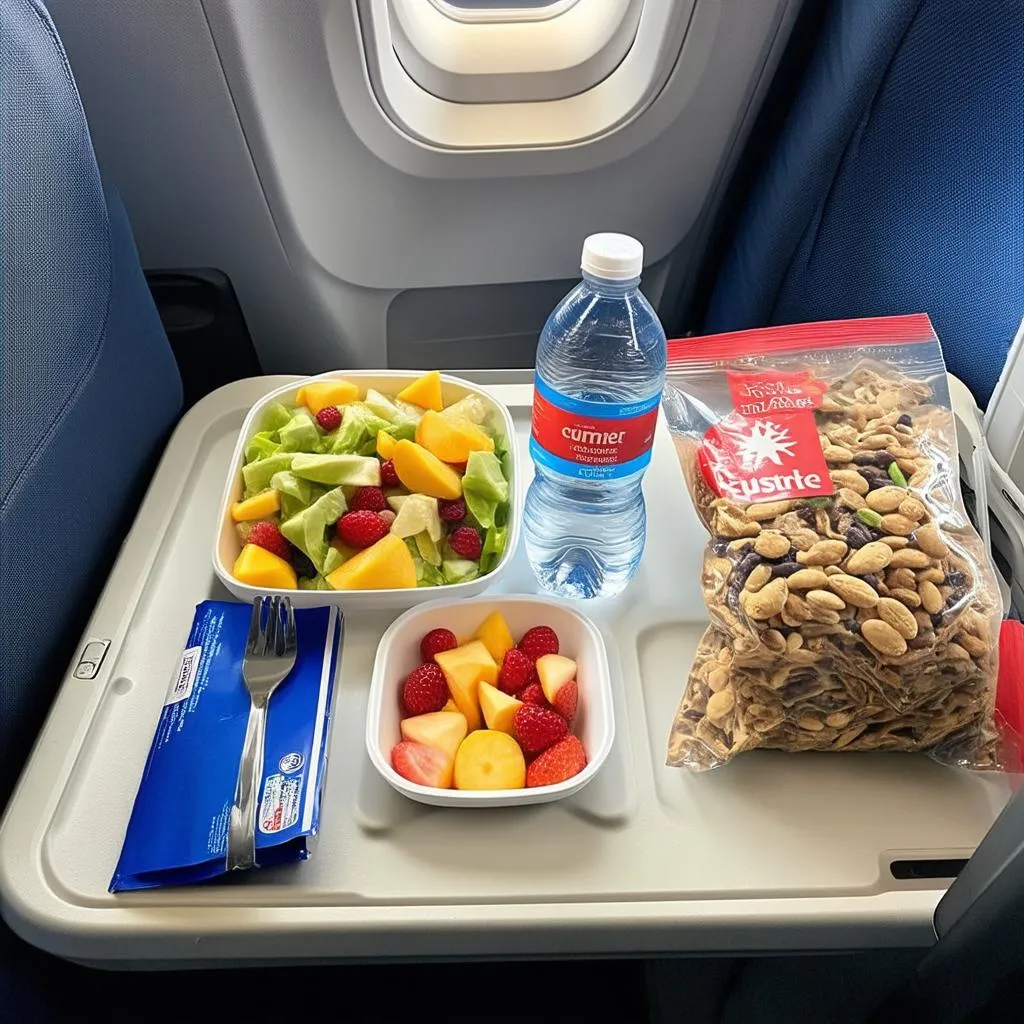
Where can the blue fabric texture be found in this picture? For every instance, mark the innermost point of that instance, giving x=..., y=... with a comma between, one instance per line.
x=89, y=388
x=897, y=183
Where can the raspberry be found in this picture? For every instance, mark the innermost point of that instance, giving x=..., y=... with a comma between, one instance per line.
x=558, y=763
x=534, y=694
x=388, y=476
x=566, y=700
x=267, y=535
x=361, y=529
x=329, y=417
x=424, y=690
x=466, y=543
x=537, y=728
x=452, y=511
x=516, y=671
x=388, y=516
x=436, y=641
x=539, y=641
x=368, y=499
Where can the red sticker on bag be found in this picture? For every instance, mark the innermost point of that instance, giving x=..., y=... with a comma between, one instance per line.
x=768, y=449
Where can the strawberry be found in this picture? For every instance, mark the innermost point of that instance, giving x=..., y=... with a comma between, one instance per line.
x=329, y=417
x=452, y=511
x=368, y=499
x=361, y=529
x=534, y=694
x=539, y=641
x=424, y=690
x=558, y=763
x=267, y=535
x=537, y=728
x=422, y=764
x=436, y=641
x=466, y=543
x=388, y=474
x=566, y=700
x=516, y=671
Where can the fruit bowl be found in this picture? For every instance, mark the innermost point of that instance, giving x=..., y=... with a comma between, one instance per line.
x=228, y=545
x=398, y=654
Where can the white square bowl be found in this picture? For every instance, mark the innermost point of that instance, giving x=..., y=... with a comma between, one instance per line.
x=226, y=543
x=398, y=654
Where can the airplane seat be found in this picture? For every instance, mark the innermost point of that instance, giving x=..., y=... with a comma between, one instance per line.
x=895, y=185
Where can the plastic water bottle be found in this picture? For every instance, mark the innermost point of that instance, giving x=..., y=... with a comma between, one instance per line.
x=600, y=374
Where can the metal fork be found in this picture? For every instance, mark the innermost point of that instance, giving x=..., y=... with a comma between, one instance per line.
x=269, y=657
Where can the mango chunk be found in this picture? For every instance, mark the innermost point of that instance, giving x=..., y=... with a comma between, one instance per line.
x=424, y=473
x=495, y=635
x=322, y=393
x=464, y=669
x=386, y=565
x=259, y=506
x=425, y=392
x=261, y=568
x=385, y=445
x=451, y=439
x=489, y=760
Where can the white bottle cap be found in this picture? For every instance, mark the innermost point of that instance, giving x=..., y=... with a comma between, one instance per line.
x=613, y=257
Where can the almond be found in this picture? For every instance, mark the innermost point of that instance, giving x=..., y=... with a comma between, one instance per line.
x=898, y=616
x=910, y=558
x=899, y=525
x=930, y=541
x=853, y=591
x=872, y=557
x=772, y=544
x=886, y=499
x=931, y=597
x=768, y=601
x=825, y=600
x=824, y=552
x=807, y=579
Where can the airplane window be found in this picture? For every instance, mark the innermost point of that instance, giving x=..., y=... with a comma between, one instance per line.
x=479, y=74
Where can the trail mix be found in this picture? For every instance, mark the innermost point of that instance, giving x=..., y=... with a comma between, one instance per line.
x=861, y=619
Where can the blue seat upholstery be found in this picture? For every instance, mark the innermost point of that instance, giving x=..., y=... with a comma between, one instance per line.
x=89, y=388
x=896, y=184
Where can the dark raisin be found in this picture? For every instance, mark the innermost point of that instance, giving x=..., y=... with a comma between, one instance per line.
x=746, y=565
x=871, y=580
x=789, y=557
x=937, y=621
x=719, y=546
x=303, y=566
x=693, y=715
x=923, y=640
x=852, y=625
x=786, y=568
x=956, y=578
x=808, y=515
x=905, y=421
x=733, y=596
x=857, y=536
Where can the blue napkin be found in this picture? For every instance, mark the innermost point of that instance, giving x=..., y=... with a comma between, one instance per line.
x=178, y=830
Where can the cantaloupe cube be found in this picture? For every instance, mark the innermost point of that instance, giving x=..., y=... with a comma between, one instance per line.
x=424, y=473
x=261, y=568
x=386, y=565
x=464, y=669
x=425, y=392
x=442, y=730
x=451, y=439
x=319, y=394
x=489, y=760
x=259, y=506
x=499, y=708
x=495, y=635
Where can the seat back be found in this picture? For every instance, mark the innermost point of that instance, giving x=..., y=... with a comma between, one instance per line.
x=88, y=385
x=896, y=184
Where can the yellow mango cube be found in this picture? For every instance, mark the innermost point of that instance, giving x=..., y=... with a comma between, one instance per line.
x=259, y=506
x=424, y=473
x=261, y=568
x=425, y=392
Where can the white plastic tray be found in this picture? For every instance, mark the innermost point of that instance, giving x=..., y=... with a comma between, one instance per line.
x=773, y=852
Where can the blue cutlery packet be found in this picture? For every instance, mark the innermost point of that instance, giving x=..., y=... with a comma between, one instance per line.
x=178, y=831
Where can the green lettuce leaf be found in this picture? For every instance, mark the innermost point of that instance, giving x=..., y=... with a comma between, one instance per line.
x=493, y=548
x=484, y=487
x=261, y=445
x=359, y=425
x=308, y=529
x=299, y=434
x=296, y=493
x=335, y=470
x=275, y=416
x=257, y=474
x=459, y=570
x=316, y=583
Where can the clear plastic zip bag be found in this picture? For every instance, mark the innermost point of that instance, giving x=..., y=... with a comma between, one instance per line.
x=852, y=604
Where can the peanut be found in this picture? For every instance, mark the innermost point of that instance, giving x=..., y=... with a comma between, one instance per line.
x=886, y=499
x=720, y=705
x=768, y=601
x=758, y=577
x=768, y=510
x=718, y=678
x=931, y=597
x=872, y=557
x=850, y=478
x=910, y=598
x=883, y=638
x=930, y=541
x=824, y=552
x=912, y=509
x=853, y=590
x=898, y=616
x=772, y=544
x=835, y=453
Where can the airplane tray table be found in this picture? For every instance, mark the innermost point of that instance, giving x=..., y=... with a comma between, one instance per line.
x=773, y=852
